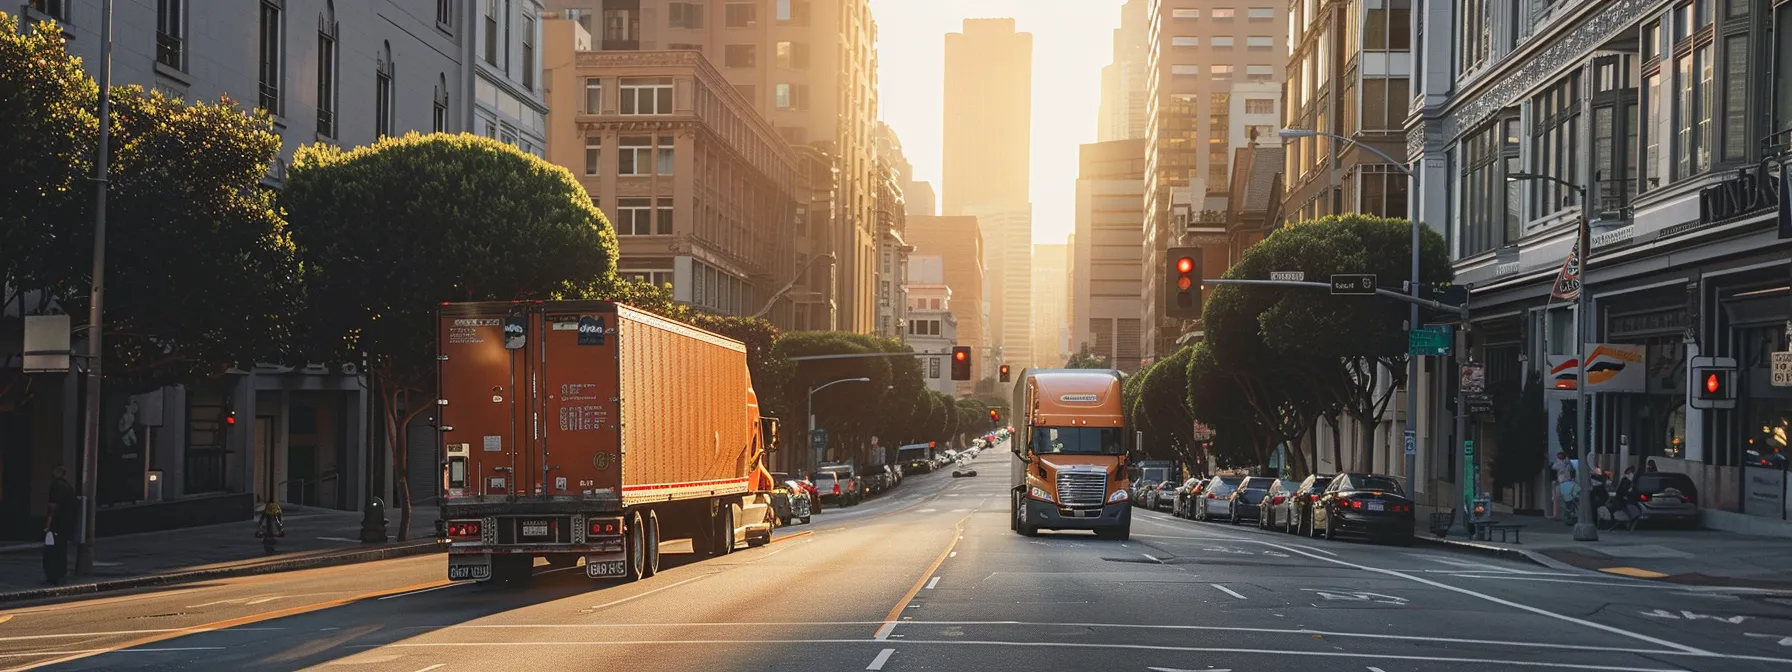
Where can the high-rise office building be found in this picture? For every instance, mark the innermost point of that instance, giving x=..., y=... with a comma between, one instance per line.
x=1050, y=304
x=810, y=68
x=958, y=243
x=1108, y=248
x=988, y=113
x=1122, y=112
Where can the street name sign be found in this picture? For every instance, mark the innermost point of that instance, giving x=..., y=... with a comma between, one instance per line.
x=1353, y=283
x=1782, y=369
x=1431, y=339
x=1288, y=276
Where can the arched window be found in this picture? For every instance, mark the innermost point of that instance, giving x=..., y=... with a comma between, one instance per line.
x=326, y=70
x=382, y=93
x=439, y=116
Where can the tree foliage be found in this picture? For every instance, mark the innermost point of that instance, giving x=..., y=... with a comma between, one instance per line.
x=391, y=230
x=1086, y=358
x=49, y=108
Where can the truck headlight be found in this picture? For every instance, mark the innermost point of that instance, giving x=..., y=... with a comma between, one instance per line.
x=1118, y=496
x=1039, y=494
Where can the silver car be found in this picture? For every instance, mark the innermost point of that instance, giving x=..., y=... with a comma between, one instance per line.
x=1216, y=498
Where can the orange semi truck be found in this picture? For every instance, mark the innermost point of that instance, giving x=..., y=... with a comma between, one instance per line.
x=1071, y=445
x=591, y=430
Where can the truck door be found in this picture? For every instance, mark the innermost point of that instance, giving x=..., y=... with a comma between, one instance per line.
x=580, y=430
x=482, y=407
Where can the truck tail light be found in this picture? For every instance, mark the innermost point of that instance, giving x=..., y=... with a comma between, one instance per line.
x=605, y=527
x=463, y=529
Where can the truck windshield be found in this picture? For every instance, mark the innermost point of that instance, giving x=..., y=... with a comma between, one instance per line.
x=1076, y=440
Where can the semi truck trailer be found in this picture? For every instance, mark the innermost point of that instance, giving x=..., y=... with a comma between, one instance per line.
x=593, y=431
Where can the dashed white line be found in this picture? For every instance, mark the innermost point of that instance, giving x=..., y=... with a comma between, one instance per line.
x=933, y=582
x=432, y=667
x=1227, y=591
x=650, y=592
x=882, y=657
x=1375, y=669
x=1152, y=558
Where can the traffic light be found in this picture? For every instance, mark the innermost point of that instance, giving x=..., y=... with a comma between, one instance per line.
x=993, y=416
x=230, y=417
x=961, y=363
x=1713, y=382
x=1004, y=373
x=1182, y=287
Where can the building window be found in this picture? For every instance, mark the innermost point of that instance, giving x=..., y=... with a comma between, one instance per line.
x=792, y=96
x=1384, y=104
x=1736, y=135
x=634, y=155
x=1694, y=50
x=634, y=217
x=793, y=55
x=652, y=95
x=270, y=51
x=1476, y=41
x=594, y=153
x=741, y=14
x=1259, y=73
x=1220, y=72
x=438, y=118
x=594, y=95
x=1224, y=14
x=1489, y=216
x=382, y=95
x=55, y=9
x=1217, y=181
x=655, y=277
x=664, y=164
x=622, y=27
x=686, y=15
x=1555, y=144
x=1614, y=132
x=1259, y=42
x=491, y=32
x=1185, y=41
x=662, y=219
x=1190, y=70
x=529, y=53
x=445, y=13
x=326, y=75
x=1782, y=72
x=1259, y=132
x=740, y=55
x=171, y=33
x=793, y=12
x=1383, y=190
x=1389, y=26
x=1649, y=172
x=1185, y=13
x=1259, y=106
x=1261, y=13
x=1222, y=42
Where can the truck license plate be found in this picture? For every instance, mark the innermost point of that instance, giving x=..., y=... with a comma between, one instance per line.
x=606, y=569
x=471, y=567
x=535, y=528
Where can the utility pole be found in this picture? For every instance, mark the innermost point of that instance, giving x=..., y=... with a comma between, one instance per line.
x=90, y=439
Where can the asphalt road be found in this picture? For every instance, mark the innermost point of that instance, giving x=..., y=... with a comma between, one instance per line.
x=931, y=578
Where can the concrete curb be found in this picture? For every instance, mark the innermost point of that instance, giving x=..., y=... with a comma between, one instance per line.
x=1532, y=557
x=271, y=566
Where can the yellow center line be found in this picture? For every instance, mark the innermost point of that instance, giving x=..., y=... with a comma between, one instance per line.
x=1633, y=572
x=895, y=614
x=242, y=620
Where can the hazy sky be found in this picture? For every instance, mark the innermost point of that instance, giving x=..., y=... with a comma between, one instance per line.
x=1072, y=40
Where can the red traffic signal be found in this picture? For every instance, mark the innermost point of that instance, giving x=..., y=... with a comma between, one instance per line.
x=993, y=416
x=961, y=363
x=1004, y=373
x=230, y=417
x=1713, y=383
x=1182, y=289
x=1185, y=265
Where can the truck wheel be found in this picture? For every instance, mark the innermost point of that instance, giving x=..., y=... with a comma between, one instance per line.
x=512, y=568
x=724, y=531
x=704, y=544
x=635, y=549
x=652, y=546
x=1014, y=513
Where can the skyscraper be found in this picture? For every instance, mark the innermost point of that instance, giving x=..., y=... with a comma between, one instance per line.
x=1050, y=304
x=1122, y=112
x=988, y=125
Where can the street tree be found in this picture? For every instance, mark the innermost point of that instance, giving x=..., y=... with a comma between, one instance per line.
x=390, y=230
x=49, y=108
x=1086, y=358
x=1274, y=384
x=1162, y=409
x=847, y=410
x=1241, y=439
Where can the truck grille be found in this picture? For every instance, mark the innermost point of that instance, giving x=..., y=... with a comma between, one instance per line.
x=1082, y=488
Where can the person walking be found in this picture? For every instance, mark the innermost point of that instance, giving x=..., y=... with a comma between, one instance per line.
x=59, y=526
x=1564, y=473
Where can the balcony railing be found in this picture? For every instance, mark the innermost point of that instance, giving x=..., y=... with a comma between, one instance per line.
x=168, y=49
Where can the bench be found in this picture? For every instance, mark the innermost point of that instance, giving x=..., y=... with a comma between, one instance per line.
x=1503, y=529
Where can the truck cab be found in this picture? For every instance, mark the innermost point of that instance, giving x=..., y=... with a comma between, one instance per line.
x=1070, y=447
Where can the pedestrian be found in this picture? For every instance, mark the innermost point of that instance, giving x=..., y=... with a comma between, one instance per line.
x=59, y=526
x=1564, y=473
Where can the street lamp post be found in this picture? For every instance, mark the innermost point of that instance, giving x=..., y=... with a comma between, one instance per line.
x=1412, y=288
x=812, y=392
x=1584, y=529
x=90, y=440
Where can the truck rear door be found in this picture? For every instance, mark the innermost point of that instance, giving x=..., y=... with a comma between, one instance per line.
x=483, y=409
x=580, y=430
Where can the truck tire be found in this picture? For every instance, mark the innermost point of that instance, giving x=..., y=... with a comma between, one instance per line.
x=508, y=568
x=634, y=549
x=724, y=531
x=1014, y=513
x=652, y=546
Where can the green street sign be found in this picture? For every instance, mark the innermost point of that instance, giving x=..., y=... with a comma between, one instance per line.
x=1431, y=339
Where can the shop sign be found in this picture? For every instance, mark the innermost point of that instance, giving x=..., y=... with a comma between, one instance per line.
x=1749, y=192
x=1611, y=367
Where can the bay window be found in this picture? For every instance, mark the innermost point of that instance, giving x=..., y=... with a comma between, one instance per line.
x=1614, y=132
x=1490, y=216
x=1555, y=144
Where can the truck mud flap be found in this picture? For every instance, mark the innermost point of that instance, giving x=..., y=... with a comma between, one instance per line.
x=606, y=566
x=469, y=566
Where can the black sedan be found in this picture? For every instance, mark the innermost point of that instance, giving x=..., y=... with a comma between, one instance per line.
x=1370, y=505
x=1247, y=500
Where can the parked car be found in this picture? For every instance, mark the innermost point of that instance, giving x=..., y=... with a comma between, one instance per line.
x=1141, y=492
x=1275, y=505
x=790, y=501
x=1163, y=496
x=1370, y=505
x=1215, y=498
x=1245, y=502
x=1185, y=495
x=1300, y=503
x=1669, y=497
x=839, y=488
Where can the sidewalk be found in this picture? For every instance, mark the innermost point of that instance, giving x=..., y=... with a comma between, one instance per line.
x=1690, y=557
x=314, y=538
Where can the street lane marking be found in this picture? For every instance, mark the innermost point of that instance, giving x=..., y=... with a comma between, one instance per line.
x=1500, y=601
x=432, y=667
x=882, y=657
x=1178, y=669
x=1227, y=591
x=83, y=653
x=650, y=592
x=890, y=619
x=419, y=592
x=1372, y=668
x=793, y=535
x=235, y=622
x=933, y=582
x=1633, y=572
x=1062, y=645
x=1152, y=558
